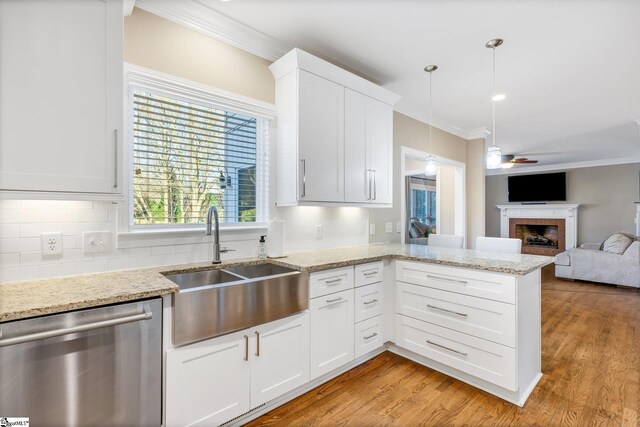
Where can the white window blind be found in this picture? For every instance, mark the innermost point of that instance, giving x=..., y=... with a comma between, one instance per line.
x=189, y=155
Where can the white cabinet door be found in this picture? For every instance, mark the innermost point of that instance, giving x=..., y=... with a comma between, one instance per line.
x=368, y=149
x=332, y=343
x=208, y=382
x=61, y=103
x=357, y=175
x=320, y=139
x=279, y=357
x=380, y=150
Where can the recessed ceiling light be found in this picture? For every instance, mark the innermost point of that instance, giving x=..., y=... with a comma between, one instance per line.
x=498, y=97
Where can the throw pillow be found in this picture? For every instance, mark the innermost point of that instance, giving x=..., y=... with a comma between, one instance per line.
x=617, y=243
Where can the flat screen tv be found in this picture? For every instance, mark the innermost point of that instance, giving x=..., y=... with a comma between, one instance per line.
x=545, y=187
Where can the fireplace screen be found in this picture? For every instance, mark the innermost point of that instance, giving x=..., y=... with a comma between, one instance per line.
x=545, y=236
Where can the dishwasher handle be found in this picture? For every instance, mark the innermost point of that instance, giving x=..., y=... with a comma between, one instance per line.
x=74, y=329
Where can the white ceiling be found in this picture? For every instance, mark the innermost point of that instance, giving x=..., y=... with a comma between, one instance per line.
x=570, y=69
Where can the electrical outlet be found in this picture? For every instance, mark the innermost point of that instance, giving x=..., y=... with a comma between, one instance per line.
x=398, y=227
x=372, y=229
x=51, y=243
x=388, y=227
x=96, y=242
x=319, y=232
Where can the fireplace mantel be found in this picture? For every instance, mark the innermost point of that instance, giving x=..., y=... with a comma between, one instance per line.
x=568, y=212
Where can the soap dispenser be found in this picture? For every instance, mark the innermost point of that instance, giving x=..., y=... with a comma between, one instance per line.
x=262, y=247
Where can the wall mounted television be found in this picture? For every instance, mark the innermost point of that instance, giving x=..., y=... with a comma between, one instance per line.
x=545, y=187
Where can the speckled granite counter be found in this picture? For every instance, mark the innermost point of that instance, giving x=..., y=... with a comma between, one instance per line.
x=39, y=297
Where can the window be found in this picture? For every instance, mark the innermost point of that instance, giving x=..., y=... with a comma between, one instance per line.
x=189, y=153
x=422, y=201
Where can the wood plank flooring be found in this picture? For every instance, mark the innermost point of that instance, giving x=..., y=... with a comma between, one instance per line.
x=590, y=362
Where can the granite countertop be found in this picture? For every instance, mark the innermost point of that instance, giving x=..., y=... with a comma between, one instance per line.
x=39, y=297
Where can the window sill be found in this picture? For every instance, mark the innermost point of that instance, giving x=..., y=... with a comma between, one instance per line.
x=173, y=236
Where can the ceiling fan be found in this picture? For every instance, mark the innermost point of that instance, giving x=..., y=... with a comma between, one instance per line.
x=509, y=160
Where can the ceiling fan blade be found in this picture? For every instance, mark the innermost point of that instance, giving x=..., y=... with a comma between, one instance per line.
x=525, y=161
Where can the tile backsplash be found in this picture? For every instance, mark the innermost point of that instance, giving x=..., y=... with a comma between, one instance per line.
x=23, y=221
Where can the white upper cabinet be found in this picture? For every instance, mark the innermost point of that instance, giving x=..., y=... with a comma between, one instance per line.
x=320, y=138
x=334, y=135
x=61, y=96
x=368, y=149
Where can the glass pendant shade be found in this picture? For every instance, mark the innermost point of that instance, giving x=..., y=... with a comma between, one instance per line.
x=494, y=157
x=430, y=168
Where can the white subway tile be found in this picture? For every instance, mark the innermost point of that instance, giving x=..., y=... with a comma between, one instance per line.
x=55, y=204
x=173, y=259
x=17, y=274
x=115, y=264
x=150, y=261
x=19, y=245
x=144, y=251
x=58, y=215
x=12, y=204
x=9, y=260
x=9, y=230
x=36, y=229
x=57, y=270
x=163, y=250
x=93, y=266
x=70, y=242
x=12, y=216
x=93, y=215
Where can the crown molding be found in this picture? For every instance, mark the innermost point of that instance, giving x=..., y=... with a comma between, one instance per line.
x=479, y=133
x=410, y=110
x=200, y=17
x=562, y=166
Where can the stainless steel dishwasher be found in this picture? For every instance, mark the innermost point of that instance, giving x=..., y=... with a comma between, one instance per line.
x=94, y=367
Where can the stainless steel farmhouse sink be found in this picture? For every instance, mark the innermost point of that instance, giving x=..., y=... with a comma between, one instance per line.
x=215, y=302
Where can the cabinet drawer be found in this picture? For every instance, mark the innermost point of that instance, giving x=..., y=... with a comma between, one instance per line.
x=368, y=301
x=368, y=335
x=367, y=274
x=491, y=320
x=481, y=358
x=492, y=286
x=330, y=281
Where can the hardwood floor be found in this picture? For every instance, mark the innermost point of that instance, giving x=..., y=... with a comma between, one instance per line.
x=590, y=362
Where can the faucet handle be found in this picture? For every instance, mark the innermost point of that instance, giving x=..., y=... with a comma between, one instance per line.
x=224, y=250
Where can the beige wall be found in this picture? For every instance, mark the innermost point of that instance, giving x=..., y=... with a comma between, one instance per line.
x=606, y=195
x=158, y=44
x=412, y=133
x=475, y=191
x=447, y=209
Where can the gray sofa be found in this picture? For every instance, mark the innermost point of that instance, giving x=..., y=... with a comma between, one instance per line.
x=589, y=263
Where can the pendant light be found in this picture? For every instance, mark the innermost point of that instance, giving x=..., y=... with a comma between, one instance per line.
x=494, y=157
x=430, y=165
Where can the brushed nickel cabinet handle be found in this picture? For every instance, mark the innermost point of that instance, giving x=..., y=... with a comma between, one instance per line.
x=246, y=348
x=371, y=273
x=115, y=158
x=375, y=192
x=367, y=184
x=304, y=177
x=370, y=336
x=329, y=301
x=257, y=343
x=433, y=307
x=373, y=301
x=447, y=348
x=463, y=282
x=331, y=282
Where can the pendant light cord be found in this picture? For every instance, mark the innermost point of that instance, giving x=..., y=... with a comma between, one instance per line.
x=493, y=102
x=430, y=111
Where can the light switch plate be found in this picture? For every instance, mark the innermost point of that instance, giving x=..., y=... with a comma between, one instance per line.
x=398, y=227
x=319, y=232
x=372, y=229
x=388, y=227
x=51, y=243
x=95, y=242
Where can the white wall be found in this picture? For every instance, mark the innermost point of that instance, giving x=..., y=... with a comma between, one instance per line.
x=446, y=184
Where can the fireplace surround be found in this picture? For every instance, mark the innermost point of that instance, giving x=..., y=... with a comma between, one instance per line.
x=538, y=215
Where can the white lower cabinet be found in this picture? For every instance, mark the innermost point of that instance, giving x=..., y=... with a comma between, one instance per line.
x=209, y=382
x=214, y=381
x=280, y=361
x=332, y=342
x=368, y=336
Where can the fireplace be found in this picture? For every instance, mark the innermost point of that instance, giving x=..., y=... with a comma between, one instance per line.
x=539, y=236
